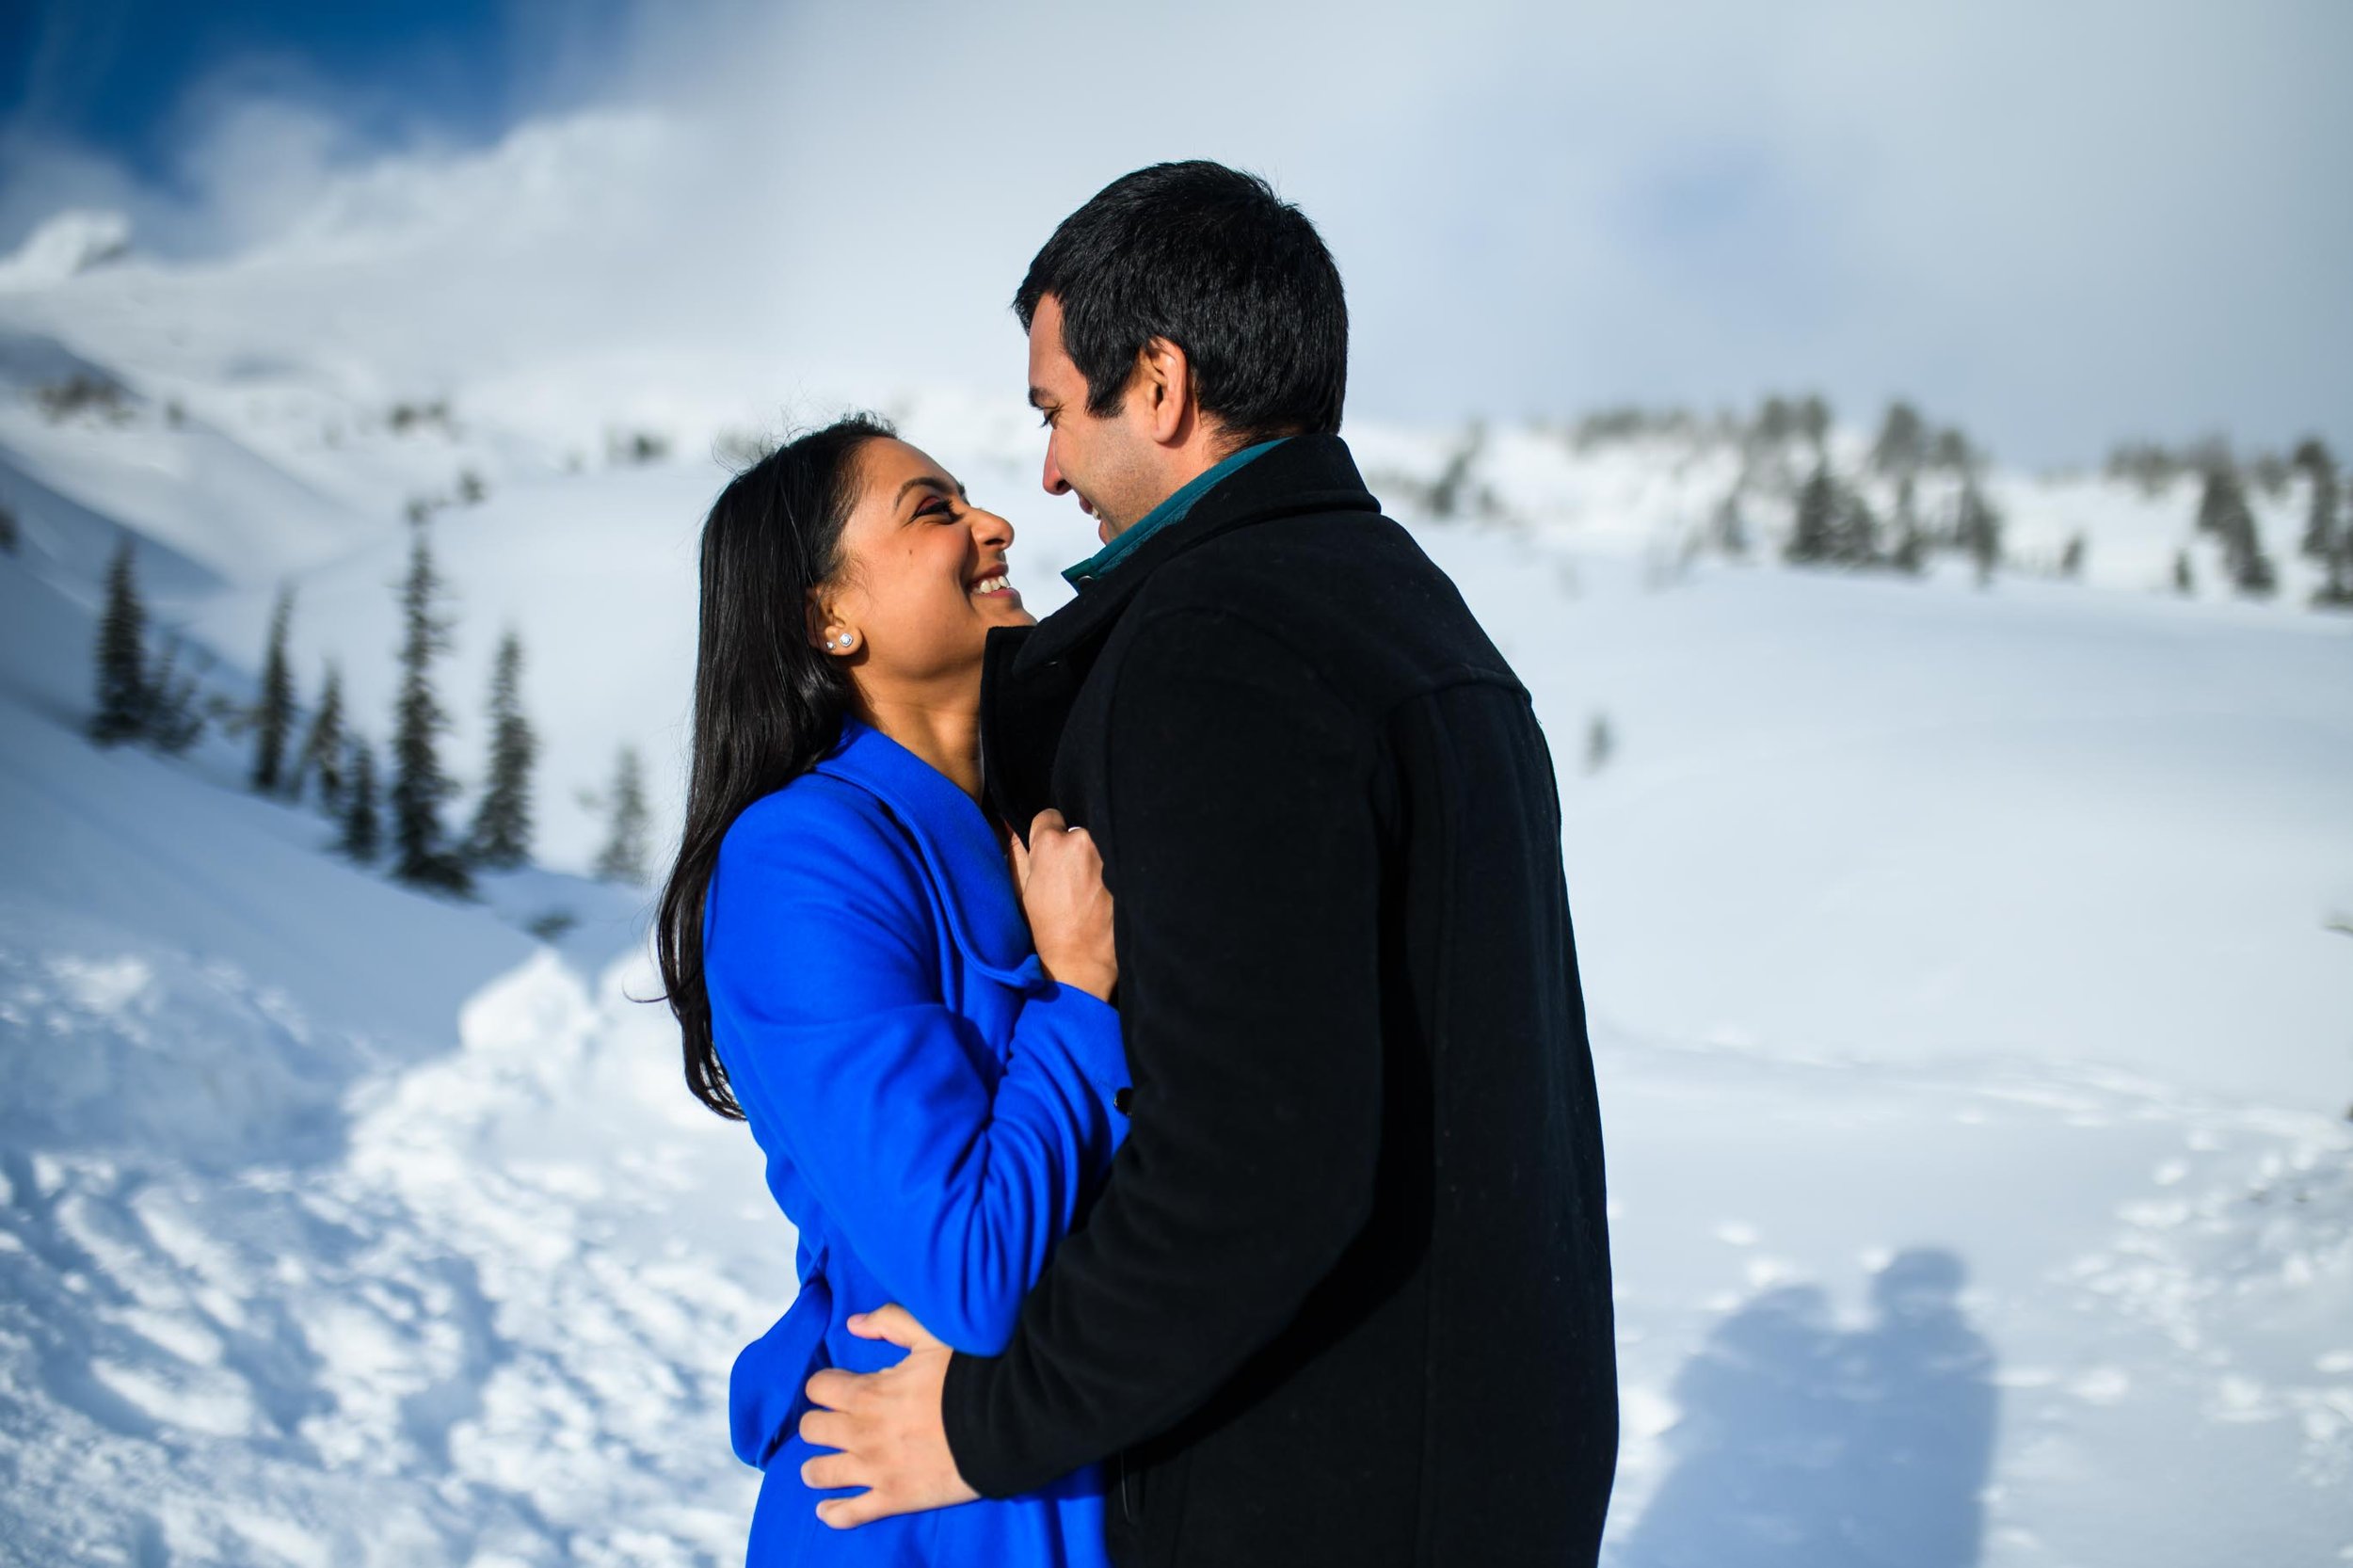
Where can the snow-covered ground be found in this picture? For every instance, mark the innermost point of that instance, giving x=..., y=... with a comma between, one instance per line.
x=1971, y=1022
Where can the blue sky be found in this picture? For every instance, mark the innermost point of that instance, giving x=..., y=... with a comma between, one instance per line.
x=116, y=74
x=2061, y=225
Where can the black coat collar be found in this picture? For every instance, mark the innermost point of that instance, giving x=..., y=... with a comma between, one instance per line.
x=1307, y=474
x=1031, y=675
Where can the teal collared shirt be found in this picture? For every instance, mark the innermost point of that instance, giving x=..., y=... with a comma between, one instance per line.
x=1171, y=511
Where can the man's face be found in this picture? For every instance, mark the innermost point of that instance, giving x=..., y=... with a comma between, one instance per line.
x=1107, y=462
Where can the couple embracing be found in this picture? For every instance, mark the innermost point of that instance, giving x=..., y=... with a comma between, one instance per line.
x=1161, y=1022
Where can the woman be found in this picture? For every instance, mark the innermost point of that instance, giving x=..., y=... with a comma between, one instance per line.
x=842, y=943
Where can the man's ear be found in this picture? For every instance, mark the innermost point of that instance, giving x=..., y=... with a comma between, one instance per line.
x=1164, y=381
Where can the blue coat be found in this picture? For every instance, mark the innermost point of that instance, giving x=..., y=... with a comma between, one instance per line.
x=935, y=1115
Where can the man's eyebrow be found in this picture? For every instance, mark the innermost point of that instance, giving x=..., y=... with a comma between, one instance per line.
x=1039, y=397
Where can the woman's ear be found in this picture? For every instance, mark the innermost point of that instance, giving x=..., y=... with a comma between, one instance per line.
x=827, y=634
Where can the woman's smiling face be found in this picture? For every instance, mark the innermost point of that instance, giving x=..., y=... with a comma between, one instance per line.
x=923, y=577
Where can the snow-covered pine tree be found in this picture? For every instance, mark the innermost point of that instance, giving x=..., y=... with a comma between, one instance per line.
x=175, y=720
x=2337, y=587
x=363, y=829
x=1902, y=445
x=1729, y=531
x=1858, y=527
x=2320, y=467
x=1910, y=552
x=322, y=748
x=124, y=696
x=1979, y=530
x=2222, y=511
x=7, y=529
x=2072, y=558
x=1815, y=537
x=274, y=715
x=501, y=824
x=2184, y=582
x=1814, y=421
x=1950, y=451
x=421, y=856
x=628, y=848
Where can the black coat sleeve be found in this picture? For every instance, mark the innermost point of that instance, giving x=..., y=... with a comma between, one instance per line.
x=1245, y=859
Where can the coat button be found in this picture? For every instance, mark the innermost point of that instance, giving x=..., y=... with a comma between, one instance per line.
x=1122, y=1099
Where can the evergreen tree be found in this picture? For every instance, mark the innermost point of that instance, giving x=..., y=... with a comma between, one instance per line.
x=8, y=530
x=420, y=854
x=2336, y=586
x=363, y=830
x=1903, y=442
x=123, y=698
x=323, y=749
x=1858, y=527
x=1979, y=530
x=2319, y=465
x=1600, y=743
x=1816, y=535
x=1731, y=531
x=274, y=715
x=174, y=720
x=1912, y=541
x=1814, y=421
x=2072, y=558
x=2337, y=590
x=501, y=825
x=2184, y=582
x=628, y=849
x=2222, y=511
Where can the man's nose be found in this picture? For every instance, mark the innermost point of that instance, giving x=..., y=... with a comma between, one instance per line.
x=1055, y=483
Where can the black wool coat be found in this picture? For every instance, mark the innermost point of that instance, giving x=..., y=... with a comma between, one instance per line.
x=1345, y=1298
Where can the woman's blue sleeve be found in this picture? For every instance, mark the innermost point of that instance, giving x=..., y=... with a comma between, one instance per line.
x=823, y=972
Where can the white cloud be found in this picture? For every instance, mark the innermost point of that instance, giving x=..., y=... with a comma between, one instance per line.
x=2060, y=226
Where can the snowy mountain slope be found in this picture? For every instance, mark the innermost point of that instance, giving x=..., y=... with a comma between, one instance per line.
x=338, y=1225
x=286, y=1252
x=1970, y=1026
x=1848, y=816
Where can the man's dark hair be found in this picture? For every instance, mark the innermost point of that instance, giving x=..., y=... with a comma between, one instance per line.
x=1212, y=260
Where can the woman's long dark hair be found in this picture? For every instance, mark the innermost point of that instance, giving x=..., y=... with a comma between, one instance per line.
x=767, y=704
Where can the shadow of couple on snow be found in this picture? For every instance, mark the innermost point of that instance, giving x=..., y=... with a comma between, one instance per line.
x=1800, y=1444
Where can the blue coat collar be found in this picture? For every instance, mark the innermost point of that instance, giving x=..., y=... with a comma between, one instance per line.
x=959, y=849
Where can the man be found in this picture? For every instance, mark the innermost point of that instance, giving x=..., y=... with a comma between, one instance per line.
x=1345, y=1297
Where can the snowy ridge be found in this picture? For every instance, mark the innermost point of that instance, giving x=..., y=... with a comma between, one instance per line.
x=1968, y=1008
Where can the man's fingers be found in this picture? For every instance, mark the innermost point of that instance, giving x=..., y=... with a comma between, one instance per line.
x=836, y=1390
x=828, y=1471
x=843, y=1512
x=1048, y=822
x=827, y=1429
x=1020, y=865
